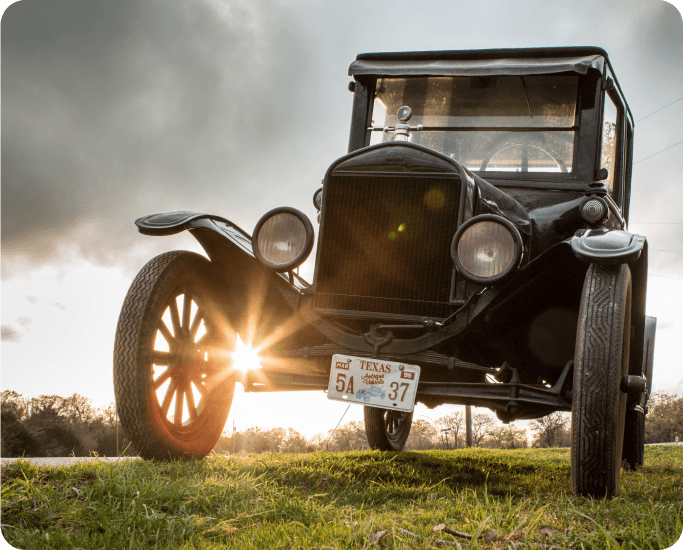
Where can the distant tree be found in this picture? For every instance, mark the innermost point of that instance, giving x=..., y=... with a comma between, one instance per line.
x=257, y=440
x=57, y=439
x=347, y=437
x=664, y=420
x=293, y=442
x=51, y=425
x=16, y=440
x=423, y=435
x=78, y=409
x=316, y=443
x=47, y=407
x=13, y=402
x=551, y=430
x=481, y=425
x=455, y=422
x=507, y=437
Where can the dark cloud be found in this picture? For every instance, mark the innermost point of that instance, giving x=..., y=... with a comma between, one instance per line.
x=114, y=110
x=11, y=334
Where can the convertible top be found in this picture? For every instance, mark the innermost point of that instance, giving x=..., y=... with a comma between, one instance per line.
x=517, y=61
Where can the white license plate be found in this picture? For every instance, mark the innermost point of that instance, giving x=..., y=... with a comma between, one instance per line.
x=373, y=382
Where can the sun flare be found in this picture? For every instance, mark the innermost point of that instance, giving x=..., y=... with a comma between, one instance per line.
x=245, y=358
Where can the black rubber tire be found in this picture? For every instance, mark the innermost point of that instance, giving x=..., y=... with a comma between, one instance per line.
x=633, y=453
x=387, y=430
x=193, y=363
x=601, y=359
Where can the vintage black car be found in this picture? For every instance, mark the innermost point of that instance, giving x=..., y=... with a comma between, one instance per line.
x=472, y=249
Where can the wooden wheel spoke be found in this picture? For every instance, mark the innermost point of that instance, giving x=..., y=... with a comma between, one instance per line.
x=166, y=333
x=166, y=403
x=162, y=358
x=160, y=381
x=192, y=409
x=202, y=388
x=187, y=309
x=175, y=318
x=178, y=415
x=195, y=324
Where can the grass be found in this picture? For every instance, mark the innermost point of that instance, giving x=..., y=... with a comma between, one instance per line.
x=337, y=500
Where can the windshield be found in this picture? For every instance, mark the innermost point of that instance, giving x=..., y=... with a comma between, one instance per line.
x=503, y=123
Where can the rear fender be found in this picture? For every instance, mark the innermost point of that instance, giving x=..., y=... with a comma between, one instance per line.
x=258, y=302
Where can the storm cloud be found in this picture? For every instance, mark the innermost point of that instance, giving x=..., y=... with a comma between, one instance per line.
x=112, y=110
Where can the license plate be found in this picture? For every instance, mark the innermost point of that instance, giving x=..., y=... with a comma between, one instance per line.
x=374, y=382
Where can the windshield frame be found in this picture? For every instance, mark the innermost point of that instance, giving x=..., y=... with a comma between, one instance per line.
x=498, y=111
x=585, y=138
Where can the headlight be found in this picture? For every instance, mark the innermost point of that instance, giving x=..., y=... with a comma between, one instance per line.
x=283, y=239
x=486, y=249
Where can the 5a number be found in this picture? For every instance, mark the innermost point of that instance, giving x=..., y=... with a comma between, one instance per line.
x=341, y=385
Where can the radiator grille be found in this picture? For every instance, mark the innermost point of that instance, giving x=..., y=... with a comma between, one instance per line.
x=386, y=244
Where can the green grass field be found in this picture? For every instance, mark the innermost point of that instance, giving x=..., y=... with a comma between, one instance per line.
x=341, y=500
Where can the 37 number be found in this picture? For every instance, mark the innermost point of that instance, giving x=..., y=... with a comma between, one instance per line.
x=396, y=387
x=341, y=385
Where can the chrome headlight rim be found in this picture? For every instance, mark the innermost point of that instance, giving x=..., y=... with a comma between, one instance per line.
x=305, y=251
x=516, y=259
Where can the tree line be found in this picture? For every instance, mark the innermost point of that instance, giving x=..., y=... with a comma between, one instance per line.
x=50, y=425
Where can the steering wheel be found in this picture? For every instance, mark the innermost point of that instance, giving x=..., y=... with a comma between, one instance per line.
x=526, y=148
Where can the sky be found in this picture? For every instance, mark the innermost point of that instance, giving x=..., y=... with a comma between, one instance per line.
x=116, y=109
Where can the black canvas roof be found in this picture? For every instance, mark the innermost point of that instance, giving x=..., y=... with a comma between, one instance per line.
x=510, y=61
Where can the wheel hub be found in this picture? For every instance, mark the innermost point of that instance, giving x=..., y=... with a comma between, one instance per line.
x=189, y=360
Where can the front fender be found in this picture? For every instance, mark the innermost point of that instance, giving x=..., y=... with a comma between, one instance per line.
x=607, y=246
x=258, y=301
x=614, y=246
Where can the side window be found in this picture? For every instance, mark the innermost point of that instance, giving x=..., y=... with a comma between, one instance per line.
x=609, y=150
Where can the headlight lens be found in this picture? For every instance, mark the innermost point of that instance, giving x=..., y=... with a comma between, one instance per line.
x=486, y=249
x=283, y=239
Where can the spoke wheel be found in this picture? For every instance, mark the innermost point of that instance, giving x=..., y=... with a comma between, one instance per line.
x=172, y=370
x=599, y=405
x=387, y=430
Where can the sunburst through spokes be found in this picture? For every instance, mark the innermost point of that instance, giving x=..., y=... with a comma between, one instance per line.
x=181, y=361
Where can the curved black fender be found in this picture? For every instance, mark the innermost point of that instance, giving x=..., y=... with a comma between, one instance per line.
x=257, y=302
x=615, y=246
x=607, y=246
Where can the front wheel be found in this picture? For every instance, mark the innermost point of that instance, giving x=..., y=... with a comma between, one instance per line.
x=172, y=359
x=387, y=430
x=601, y=360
